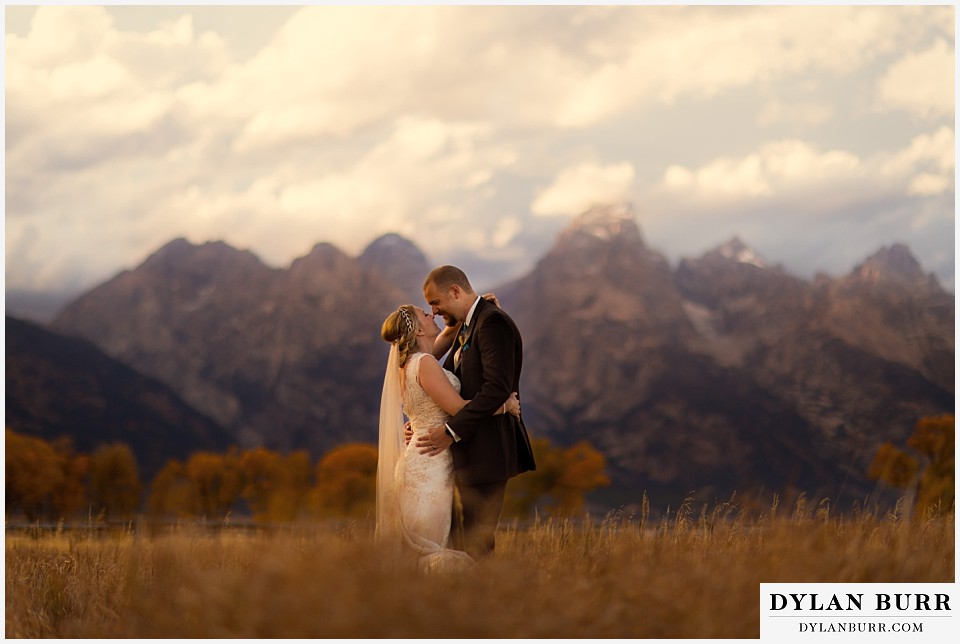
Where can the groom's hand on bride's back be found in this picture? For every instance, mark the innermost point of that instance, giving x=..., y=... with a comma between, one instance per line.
x=407, y=433
x=434, y=441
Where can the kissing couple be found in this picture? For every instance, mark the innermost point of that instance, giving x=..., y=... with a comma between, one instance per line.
x=467, y=433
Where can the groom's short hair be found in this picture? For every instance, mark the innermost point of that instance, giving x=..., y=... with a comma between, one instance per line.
x=445, y=277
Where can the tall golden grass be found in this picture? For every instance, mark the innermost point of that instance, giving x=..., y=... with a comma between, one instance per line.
x=694, y=573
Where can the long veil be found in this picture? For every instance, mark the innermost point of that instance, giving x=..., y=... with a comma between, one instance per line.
x=390, y=447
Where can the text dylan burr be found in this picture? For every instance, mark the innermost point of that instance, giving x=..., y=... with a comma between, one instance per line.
x=851, y=601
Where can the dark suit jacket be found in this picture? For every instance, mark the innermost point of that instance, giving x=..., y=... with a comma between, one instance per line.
x=491, y=448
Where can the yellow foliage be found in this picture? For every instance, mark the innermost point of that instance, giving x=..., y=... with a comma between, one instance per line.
x=931, y=476
x=893, y=466
x=347, y=480
x=114, y=481
x=71, y=496
x=172, y=493
x=261, y=470
x=217, y=481
x=275, y=487
x=288, y=500
x=563, y=475
x=43, y=479
x=33, y=474
x=935, y=438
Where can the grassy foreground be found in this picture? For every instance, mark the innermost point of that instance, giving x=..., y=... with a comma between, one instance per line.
x=692, y=575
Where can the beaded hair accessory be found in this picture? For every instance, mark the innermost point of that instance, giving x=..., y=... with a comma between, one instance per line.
x=407, y=320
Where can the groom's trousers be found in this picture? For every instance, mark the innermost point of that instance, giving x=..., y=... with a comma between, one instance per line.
x=475, y=520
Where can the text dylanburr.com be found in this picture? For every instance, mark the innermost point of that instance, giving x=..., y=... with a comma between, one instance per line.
x=863, y=612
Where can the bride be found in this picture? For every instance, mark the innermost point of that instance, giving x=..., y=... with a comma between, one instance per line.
x=415, y=491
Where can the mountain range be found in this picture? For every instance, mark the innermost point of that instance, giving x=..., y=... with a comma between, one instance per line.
x=727, y=371
x=60, y=386
x=723, y=373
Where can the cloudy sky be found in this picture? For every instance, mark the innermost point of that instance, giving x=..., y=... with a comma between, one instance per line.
x=815, y=134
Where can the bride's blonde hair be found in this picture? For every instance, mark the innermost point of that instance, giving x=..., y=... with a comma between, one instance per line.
x=401, y=328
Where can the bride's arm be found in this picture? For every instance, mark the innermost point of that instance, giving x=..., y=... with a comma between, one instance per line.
x=438, y=387
x=445, y=340
x=435, y=383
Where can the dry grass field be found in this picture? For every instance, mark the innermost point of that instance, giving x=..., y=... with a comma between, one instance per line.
x=693, y=574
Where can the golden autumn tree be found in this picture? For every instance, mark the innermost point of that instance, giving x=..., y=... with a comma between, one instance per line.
x=289, y=500
x=928, y=472
x=33, y=475
x=276, y=486
x=894, y=466
x=70, y=497
x=584, y=470
x=216, y=482
x=114, y=481
x=262, y=470
x=935, y=439
x=347, y=481
x=172, y=492
x=563, y=477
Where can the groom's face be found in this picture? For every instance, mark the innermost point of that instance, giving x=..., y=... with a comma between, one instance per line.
x=445, y=303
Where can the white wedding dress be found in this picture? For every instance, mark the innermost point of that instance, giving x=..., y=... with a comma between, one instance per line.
x=424, y=483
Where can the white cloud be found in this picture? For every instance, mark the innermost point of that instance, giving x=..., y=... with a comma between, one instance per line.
x=665, y=56
x=576, y=188
x=89, y=79
x=921, y=82
x=926, y=151
x=792, y=179
x=60, y=35
x=328, y=71
x=408, y=183
x=721, y=177
x=352, y=121
x=79, y=90
x=925, y=185
x=333, y=69
x=927, y=163
x=776, y=169
x=809, y=114
x=506, y=230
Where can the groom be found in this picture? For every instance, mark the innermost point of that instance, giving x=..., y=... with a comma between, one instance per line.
x=487, y=449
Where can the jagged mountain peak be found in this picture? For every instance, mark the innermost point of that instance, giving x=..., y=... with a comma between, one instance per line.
x=740, y=253
x=730, y=267
x=392, y=242
x=602, y=224
x=890, y=263
x=180, y=251
x=392, y=252
x=182, y=245
x=173, y=251
x=400, y=261
x=606, y=221
x=179, y=244
x=322, y=256
x=324, y=249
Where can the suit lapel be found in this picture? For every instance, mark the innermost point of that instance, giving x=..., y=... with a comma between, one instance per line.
x=471, y=334
x=475, y=322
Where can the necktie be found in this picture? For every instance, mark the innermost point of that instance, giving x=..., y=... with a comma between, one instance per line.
x=462, y=339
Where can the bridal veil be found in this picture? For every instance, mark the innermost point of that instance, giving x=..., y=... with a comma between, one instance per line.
x=390, y=447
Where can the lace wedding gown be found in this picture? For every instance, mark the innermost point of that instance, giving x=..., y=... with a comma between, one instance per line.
x=424, y=483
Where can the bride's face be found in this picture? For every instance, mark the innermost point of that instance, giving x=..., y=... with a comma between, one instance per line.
x=428, y=323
